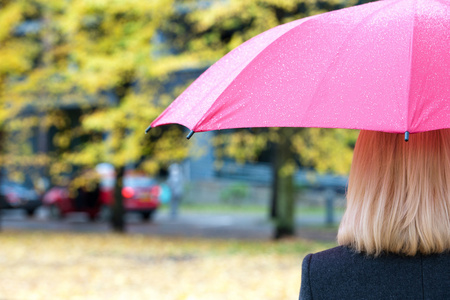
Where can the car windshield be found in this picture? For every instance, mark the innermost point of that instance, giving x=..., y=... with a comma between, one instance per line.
x=138, y=182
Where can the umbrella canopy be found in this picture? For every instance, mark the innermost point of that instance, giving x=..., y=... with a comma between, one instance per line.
x=379, y=66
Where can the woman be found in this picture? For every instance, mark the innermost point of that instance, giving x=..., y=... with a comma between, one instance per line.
x=395, y=234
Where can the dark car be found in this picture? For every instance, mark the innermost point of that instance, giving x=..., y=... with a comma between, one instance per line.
x=16, y=196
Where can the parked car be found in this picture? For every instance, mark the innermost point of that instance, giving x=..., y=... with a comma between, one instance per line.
x=14, y=195
x=61, y=202
x=140, y=194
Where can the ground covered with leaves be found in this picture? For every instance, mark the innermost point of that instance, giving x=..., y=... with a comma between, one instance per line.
x=40, y=265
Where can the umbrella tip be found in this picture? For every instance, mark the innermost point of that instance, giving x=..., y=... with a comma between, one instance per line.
x=191, y=133
x=148, y=129
x=406, y=136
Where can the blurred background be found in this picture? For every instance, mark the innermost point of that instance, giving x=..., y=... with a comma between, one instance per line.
x=225, y=215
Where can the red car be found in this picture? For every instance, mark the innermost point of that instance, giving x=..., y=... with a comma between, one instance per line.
x=61, y=203
x=140, y=194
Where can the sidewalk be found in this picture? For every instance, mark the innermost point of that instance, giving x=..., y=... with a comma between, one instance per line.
x=188, y=224
x=239, y=225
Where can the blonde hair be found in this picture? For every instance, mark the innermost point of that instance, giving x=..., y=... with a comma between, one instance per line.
x=398, y=197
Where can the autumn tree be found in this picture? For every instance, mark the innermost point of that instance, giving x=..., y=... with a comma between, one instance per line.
x=111, y=43
x=88, y=69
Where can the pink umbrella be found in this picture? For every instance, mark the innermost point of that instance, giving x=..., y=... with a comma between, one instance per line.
x=379, y=66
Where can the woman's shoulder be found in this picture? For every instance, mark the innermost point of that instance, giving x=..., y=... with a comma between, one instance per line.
x=332, y=274
x=331, y=255
x=332, y=259
x=334, y=252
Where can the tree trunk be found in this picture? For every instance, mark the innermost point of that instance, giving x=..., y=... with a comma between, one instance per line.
x=285, y=221
x=274, y=183
x=2, y=142
x=117, y=209
x=285, y=204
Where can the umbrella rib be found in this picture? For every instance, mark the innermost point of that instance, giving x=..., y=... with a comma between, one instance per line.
x=410, y=69
x=338, y=52
x=302, y=21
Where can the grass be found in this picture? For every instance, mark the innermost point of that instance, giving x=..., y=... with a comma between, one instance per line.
x=249, y=208
x=37, y=265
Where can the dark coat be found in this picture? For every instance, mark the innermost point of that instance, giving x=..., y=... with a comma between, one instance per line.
x=340, y=273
